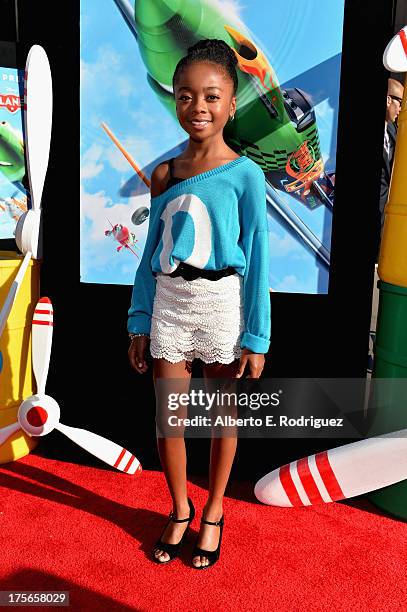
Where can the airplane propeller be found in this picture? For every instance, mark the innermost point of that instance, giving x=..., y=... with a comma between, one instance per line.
x=37, y=127
x=39, y=414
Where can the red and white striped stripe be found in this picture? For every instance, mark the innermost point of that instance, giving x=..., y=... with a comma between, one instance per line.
x=403, y=40
x=43, y=313
x=305, y=486
x=42, y=328
x=111, y=453
x=128, y=463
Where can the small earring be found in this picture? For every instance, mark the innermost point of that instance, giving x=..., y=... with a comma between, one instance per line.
x=231, y=117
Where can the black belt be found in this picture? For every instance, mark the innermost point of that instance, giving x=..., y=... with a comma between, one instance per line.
x=191, y=273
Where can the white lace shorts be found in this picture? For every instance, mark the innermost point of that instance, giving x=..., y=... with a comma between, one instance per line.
x=200, y=319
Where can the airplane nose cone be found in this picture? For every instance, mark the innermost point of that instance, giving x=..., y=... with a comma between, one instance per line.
x=37, y=416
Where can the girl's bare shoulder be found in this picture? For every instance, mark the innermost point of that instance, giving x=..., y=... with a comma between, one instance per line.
x=159, y=179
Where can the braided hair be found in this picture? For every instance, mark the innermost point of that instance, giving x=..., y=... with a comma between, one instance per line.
x=209, y=50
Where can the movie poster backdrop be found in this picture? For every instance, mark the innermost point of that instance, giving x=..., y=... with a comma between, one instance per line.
x=289, y=56
x=13, y=195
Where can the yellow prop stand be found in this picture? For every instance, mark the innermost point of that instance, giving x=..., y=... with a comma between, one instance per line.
x=393, y=250
x=16, y=376
x=391, y=349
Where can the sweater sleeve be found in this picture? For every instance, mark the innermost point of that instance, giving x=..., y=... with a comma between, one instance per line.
x=142, y=299
x=255, y=243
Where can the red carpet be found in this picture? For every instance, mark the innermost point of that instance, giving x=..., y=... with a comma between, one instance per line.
x=88, y=531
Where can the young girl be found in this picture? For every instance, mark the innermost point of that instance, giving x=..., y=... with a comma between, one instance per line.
x=201, y=289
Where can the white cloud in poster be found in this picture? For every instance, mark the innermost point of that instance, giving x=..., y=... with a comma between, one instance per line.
x=283, y=245
x=139, y=149
x=324, y=112
x=93, y=207
x=98, y=77
x=325, y=116
x=230, y=9
x=292, y=284
x=127, y=270
x=147, y=120
x=91, y=165
x=124, y=86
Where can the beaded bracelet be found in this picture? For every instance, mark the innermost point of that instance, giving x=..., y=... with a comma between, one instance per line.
x=132, y=336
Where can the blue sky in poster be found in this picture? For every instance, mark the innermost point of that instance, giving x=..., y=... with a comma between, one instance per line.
x=295, y=36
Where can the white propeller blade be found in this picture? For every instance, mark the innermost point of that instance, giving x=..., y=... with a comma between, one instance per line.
x=42, y=327
x=38, y=120
x=8, y=431
x=109, y=452
x=12, y=294
x=37, y=124
x=339, y=473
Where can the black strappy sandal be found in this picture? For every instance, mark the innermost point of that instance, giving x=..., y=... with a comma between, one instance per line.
x=211, y=555
x=173, y=549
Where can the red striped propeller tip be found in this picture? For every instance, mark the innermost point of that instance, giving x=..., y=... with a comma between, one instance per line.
x=44, y=300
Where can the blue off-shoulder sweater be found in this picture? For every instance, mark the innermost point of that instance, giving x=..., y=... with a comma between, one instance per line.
x=211, y=221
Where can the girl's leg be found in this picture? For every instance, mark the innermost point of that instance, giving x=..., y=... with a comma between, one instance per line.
x=223, y=450
x=172, y=450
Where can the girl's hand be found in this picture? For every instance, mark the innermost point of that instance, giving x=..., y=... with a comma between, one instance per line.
x=137, y=351
x=256, y=363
